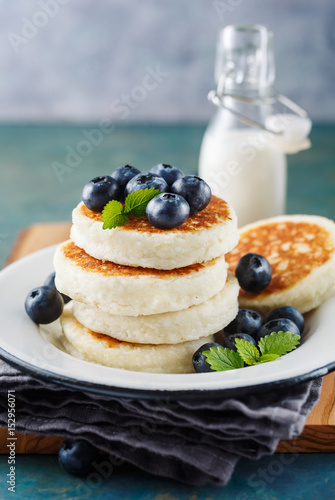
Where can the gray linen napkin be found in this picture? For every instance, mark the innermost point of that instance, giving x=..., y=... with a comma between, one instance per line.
x=195, y=442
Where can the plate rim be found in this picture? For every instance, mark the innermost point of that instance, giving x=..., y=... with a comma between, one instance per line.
x=101, y=389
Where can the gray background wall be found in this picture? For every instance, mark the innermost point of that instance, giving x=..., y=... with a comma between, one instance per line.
x=85, y=54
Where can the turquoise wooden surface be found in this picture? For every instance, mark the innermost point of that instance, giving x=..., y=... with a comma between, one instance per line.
x=30, y=192
x=301, y=477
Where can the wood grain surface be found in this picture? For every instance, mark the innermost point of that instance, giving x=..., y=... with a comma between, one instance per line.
x=318, y=434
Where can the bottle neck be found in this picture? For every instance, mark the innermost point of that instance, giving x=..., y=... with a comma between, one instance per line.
x=245, y=60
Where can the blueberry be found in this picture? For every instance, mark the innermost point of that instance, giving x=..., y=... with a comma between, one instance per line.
x=253, y=272
x=145, y=180
x=196, y=192
x=199, y=360
x=246, y=321
x=44, y=305
x=122, y=175
x=50, y=281
x=229, y=341
x=277, y=325
x=76, y=456
x=289, y=313
x=99, y=191
x=167, y=211
x=168, y=172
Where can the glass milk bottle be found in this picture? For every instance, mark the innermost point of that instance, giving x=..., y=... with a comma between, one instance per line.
x=242, y=156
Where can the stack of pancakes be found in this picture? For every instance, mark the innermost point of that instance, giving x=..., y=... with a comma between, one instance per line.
x=146, y=299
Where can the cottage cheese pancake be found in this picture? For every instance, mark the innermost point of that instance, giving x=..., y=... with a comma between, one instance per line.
x=166, y=328
x=301, y=251
x=203, y=237
x=133, y=291
x=102, y=349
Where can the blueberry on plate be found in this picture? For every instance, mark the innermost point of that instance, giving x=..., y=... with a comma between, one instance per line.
x=167, y=210
x=99, y=191
x=277, y=325
x=229, y=341
x=122, y=175
x=44, y=305
x=199, y=360
x=195, y=190
x=76, y=456
x=246, y=321
x=50, y=281
x=168, y=172
x=145, y=180
x=253, y=272
x=289, y=313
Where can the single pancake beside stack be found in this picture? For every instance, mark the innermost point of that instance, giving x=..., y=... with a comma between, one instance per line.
x=301, y=251
x=144, y=298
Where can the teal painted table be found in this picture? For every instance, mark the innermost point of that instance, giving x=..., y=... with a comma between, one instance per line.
x=307, y=477
x=31, y=191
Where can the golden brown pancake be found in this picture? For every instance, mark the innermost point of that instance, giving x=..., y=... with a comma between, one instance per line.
x=191, y=323
x=102, y=349
x=106, y=268
x=297, y=247
x=216, y=212
x=134, y=291
x=202, y=237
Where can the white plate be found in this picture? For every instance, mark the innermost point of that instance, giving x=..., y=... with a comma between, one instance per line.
x=23, y=346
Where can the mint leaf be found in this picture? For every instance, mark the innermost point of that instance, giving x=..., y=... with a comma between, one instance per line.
x=136, y=202
x=113, y=215
x=268, y=357
x=222, y=359
x=278, y=343
x=248, y=352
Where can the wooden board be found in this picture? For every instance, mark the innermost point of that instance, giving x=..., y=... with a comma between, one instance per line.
x=318, y=434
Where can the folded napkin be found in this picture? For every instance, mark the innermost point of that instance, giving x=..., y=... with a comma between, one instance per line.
x=195, y=442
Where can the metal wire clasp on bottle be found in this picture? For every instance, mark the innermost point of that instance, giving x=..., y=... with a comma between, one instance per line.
x=217, y=98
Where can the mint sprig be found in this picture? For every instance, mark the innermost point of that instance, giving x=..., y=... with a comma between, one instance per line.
x=270, y=347
x=115, y=214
